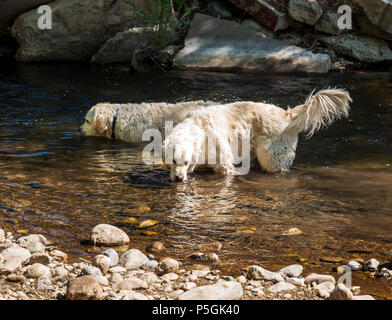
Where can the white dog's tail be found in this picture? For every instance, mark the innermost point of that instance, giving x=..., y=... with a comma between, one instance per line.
x=320, y=110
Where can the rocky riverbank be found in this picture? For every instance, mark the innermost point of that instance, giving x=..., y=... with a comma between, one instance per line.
x=273, y=36
x=32, y=268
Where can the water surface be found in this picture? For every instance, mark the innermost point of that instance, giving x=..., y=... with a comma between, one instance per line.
x=56, y=183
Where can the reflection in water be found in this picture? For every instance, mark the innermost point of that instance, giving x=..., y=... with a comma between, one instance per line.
x=56, y=183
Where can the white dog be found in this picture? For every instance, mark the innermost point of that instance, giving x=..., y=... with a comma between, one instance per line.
x=272, y=132
x=127, y=122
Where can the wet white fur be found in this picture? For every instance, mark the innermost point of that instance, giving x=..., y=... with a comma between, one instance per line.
x=134, y=119
x=273, y=131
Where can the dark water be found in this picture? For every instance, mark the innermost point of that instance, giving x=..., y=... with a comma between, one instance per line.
x=56, y=183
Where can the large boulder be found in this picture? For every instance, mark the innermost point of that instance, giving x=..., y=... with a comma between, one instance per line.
x=362, y=48
x=10, y=9
x=220, y=45
x=79, y=28
x=379, y=12
x=328, y=23
x=264, y=13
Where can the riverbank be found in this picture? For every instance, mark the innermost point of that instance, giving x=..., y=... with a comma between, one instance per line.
x=33, y=269
x=263, y=36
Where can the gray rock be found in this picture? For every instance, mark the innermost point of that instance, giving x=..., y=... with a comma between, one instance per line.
x=221, y=45
x=307, y=11
x=151, y=265
x=130, y=295
x=131, y=283
x=44, y=283
x=328, y=23
x=79, y=29
x=354, y=265
x=223, y=290
x=121, y=47
x=37, y=270
x=113, y=255
x=296, y=281
x=2, y=236
x=189, y=285
x=364, y=297
x=108, y=235
x=58, y=254
x=363, y=48
x=102, y=262
x=379, y=12
x=14, y=257
x=167, y=266
x=341, y=292
x=319, y=278
x=259, y=273
x=293, y=271
x=93, y=271
x=133, y=259
x=84, y=288
x=324, y=289
x=281, y=287
x=33, y=242
x=372, y=264
x=218, y=9
x=61, y=272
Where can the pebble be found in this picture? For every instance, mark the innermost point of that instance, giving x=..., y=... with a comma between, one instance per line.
x=61, y=272
x=131, y=283
x=117, y=269
x=341, y=292
x=319, y=278
x=103, y=262
x=281, y=286
x=300, y=282
x=372, y=264
x=14, y=257
x=116, y=278
x=293, y=271
x=129, y=295
x=113, y=256
x=44, y=283
x=58, y=254
x=2, y=236
x=324, y=289
x=242, y=279
x=223, y=290
x=108, y=235
x=168, y=265
x=170, y=277
x=364, y=297
x=188, y=285
x=175, y=293
x=16, y=278
x=150, y=265
x=37, y=270
x=93, y=271
x=354, y=265
x=133, y=259
x=259, y=273
x=84, y=288
x=33, y=242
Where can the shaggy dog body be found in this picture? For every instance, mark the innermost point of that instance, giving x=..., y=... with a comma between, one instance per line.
x=128, y=122
x=273, y=132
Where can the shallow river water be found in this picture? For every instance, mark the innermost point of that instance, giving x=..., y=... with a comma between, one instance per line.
x=339, y=192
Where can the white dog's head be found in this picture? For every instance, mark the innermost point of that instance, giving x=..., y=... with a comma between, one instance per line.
x=99, y=120
x=180, y=158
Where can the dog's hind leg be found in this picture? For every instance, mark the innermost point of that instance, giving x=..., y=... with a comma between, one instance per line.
x=276, y=154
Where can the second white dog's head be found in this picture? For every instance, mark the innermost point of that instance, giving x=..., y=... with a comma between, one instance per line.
x=179, y=158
